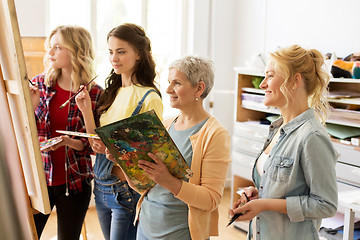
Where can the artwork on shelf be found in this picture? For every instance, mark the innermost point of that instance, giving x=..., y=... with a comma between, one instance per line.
x=131, y=139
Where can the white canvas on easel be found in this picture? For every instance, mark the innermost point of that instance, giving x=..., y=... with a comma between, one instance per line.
x=15, y=87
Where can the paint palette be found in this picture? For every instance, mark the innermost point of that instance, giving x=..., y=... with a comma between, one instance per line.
x=79, y=134
x=45, y=145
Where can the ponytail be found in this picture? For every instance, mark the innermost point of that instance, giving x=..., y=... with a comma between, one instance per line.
x=309, y=63
x=318, y=87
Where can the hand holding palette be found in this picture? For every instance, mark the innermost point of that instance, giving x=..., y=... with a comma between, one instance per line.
x=79, y=134
x=45, y=145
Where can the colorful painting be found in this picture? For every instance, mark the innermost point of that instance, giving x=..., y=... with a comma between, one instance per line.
x=131, y=139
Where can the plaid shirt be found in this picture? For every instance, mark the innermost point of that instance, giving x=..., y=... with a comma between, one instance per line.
x=79, y=162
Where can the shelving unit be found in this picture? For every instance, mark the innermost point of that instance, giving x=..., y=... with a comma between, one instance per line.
x=247, y=139
x=249, y=134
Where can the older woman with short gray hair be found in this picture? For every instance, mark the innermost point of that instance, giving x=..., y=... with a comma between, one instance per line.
x=177, y=209
x=196, y=69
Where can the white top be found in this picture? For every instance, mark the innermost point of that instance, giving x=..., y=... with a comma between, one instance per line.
x=263, y=156
x=261, y=162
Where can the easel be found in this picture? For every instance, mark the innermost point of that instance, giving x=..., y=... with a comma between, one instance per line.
x=16, y=106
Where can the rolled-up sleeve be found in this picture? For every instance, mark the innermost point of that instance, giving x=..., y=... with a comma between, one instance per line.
x=318, y=161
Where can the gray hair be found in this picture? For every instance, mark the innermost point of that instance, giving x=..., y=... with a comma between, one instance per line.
x=196, y=69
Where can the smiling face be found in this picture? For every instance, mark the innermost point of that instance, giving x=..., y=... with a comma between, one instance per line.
x=272, y=84
x=182, y=93
x=59, y=56
x=122, y=56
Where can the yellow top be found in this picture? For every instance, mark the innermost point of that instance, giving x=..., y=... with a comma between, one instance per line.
x=127, y=100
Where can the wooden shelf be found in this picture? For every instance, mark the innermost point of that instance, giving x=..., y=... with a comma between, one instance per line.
x=353, y=101
x=344, y=80
x=336, y=120
x=341, y=120
x=344, y=121
x=352, y=147
x=254, y=72
x=263, y=109
x=253, y=90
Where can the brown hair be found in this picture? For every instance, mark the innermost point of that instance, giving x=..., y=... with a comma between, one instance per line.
x=144, y=69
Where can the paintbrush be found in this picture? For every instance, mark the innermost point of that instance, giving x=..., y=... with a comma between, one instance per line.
x=75, y=94
x=26, y=77
x=238, y=214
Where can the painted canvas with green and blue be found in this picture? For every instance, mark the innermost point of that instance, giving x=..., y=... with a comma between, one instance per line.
x=131, y=139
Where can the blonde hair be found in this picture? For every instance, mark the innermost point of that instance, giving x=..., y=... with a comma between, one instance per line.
x=294, y=59
x=77, y=40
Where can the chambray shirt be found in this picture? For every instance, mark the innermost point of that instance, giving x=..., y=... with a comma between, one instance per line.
x=300, y=169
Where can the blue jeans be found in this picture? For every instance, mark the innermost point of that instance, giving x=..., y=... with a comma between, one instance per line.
x=116, y=207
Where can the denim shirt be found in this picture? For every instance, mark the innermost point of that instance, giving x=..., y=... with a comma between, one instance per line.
x=300, y=169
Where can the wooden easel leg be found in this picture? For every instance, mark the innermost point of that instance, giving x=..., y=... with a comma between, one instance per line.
x=83, y=231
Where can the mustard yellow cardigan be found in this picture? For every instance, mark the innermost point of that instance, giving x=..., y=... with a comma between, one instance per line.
x=203, y=192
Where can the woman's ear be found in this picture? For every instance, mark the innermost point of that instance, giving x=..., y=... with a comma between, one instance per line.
x=297, y=80
x=200, y=88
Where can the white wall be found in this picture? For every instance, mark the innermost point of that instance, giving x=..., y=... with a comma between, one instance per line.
x=198, y=27
x=32, y=17
x=232, y=31
x=250, y=31
x=327, y=25
x=223, y=52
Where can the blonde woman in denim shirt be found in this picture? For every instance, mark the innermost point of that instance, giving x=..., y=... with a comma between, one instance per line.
x=294, y=174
